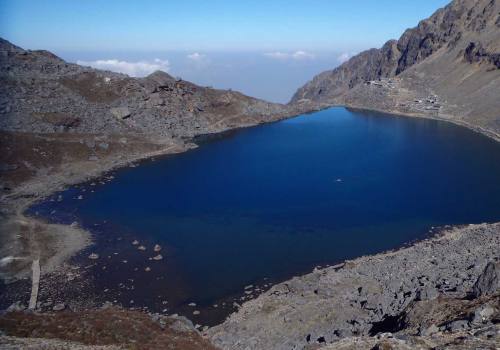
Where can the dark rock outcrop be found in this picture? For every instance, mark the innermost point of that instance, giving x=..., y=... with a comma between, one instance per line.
x=488, y=281
x=476, y=53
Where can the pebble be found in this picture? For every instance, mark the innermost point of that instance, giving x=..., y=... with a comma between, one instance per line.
x=158, y=257
x=147, y=269
x=94, y=256
x=196, y=312
x=157, y=248
x=135, y=242
x=59, y=307
x=141, y=247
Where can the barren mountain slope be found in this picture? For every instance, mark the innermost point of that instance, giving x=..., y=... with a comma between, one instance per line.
x=62, y=123
x=447, y=67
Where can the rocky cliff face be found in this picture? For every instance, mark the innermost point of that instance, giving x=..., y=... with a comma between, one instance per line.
x=451, y=57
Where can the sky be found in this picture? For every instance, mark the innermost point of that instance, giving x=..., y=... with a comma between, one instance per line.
x=222, y=43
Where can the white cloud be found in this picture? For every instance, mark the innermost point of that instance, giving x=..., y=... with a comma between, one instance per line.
x=297, y=55
x=277, y=55
x=344, y=57
x=302, y=55
x=196, y=56
x=198, y=60
x=134, y=69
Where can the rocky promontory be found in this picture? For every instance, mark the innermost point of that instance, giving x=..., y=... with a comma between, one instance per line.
x=435, y=288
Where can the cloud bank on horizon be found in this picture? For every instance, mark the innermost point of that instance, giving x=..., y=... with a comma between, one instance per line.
x=133, y=69
x=297, y=55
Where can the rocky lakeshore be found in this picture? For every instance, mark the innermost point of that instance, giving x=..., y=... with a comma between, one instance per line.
x=425, y=295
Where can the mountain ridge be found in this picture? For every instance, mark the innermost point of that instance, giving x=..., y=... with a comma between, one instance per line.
x=453, y=58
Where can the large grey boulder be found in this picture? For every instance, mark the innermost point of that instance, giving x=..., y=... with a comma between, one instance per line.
x=488, y=280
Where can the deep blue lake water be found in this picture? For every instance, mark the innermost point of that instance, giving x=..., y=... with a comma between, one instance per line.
x=276, y=200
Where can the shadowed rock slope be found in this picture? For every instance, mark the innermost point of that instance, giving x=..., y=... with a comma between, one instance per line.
x=447, y=67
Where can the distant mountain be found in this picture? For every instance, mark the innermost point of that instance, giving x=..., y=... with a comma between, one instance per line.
x=448, y=67
x=65, y=121
x=42, y=93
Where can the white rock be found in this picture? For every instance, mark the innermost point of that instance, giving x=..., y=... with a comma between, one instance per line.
x=59, y=307
x=120, y=112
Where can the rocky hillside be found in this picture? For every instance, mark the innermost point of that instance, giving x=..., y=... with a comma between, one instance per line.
x=447, y=67
x=42, y=94
x=61, y=123
x=441, y=293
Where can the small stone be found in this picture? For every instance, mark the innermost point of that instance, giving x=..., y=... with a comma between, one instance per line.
x=141, y=247
x=158, y=257
x=157, y=248
x=249, y=286
x=80, y=197
x=147, y=269
x=430, y=330
x=192, y=304
x=17, y=306
x=94, y=256
x=59, y=307
x=135, y=242
x=196, y=312
x=120, y=112
x=457, y=325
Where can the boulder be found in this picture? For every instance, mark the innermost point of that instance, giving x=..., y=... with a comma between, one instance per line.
x=488, y=281
x=120, y=112
x=483, y=314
